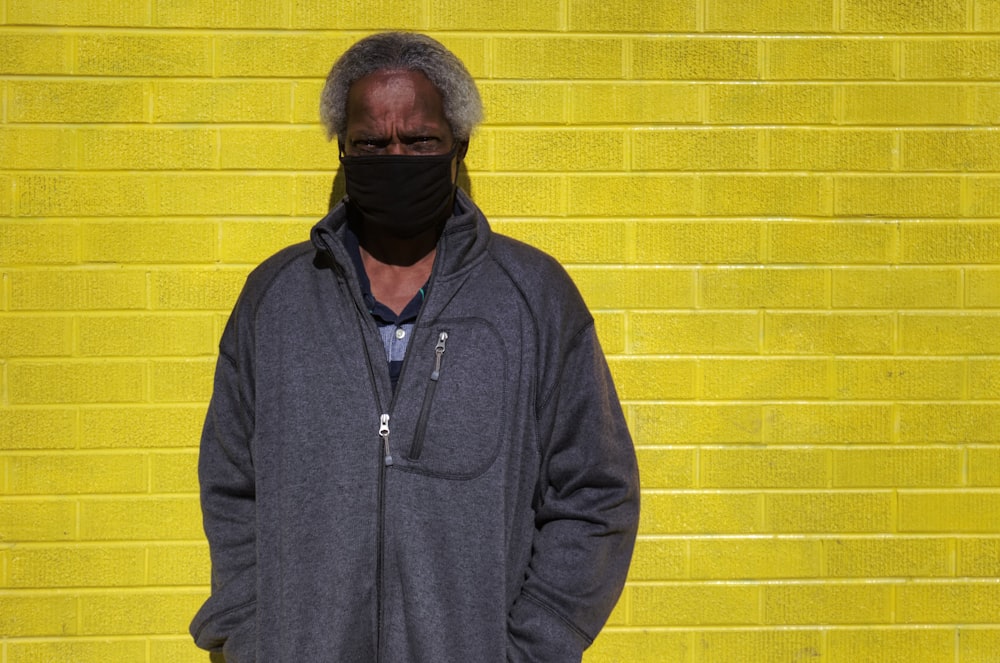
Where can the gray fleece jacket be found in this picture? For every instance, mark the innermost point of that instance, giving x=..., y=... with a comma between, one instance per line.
x=483, y=512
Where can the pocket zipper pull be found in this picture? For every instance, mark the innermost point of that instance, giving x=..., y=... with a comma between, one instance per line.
x=383, y=432
x=438, y=352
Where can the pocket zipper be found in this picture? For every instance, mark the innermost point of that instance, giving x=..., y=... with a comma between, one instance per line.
x=418, y=439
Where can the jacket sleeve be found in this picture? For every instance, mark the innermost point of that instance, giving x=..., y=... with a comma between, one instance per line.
x=227, y=620
x=586, y=513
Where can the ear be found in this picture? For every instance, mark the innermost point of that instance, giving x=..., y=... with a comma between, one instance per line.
x=340, y=147
x=463, y=147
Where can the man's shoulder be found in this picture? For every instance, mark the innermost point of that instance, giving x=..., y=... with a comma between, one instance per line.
x=270, y=270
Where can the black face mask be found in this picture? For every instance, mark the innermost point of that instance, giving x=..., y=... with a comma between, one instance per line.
x=404, y=195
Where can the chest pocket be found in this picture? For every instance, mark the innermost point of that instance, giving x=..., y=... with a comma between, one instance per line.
x=459, y=380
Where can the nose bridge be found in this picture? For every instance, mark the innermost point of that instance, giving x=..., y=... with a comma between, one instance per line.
x=396, y=146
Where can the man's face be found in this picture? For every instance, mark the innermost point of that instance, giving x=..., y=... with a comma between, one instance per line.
x=396, y=112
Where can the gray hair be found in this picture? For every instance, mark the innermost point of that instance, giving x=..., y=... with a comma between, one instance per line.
x=406, y=51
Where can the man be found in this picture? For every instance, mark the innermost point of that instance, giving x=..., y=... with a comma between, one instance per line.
x=414, y=451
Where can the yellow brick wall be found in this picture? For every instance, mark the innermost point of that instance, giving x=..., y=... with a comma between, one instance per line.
x=784, y=213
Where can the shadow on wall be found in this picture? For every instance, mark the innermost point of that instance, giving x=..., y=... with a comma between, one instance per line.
x=339, y=189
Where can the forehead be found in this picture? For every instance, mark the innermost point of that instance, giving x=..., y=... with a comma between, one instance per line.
x=395, y=96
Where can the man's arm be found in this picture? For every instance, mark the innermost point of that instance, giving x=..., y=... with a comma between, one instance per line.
x=586, y=515
x=227, y=621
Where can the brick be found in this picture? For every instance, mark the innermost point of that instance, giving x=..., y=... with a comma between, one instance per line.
x=176, y=650
x=950, y=242
x=950, y=59
x=692, y=57
x=46, y=519
x=653, y=379
x=757, y=287
x=895, y=467
x=35, y=53
x=949, y=422
x=38, y=243
x=559, y=150
x=769, y=16
x=143, y=55
x=77, y=650
x=582, y=242
x=250, y=242
x=77, y=566
x=984, y=103
x=666, y=468
x=141, y=427
x=978, y=557
x=474, y=50
x=305, y=103
x=184, y=380
x=763, y=468
x=75, y=195
x=770, y=103
x=87, y=101
x=953, y=150
x=829, y=512
x=520, y=195
x=147, y=335
x=37, y=615
x=838, y=423
x=903, y=16
x=76, y=382
x=696, y=149
x=827, y=604
x=31, y=148
x=501, y=16
x=948, y=603
x=892, y=645
x=75, y=474
x=984, y=378
x=831, y=242
x=984, y=198
x=149, y=242
x=277, y=149
x=178, y=564
x=130, y=519
x=138, y=613
x=700, y=513
x=147, y=149
x=77, y=290
x=633, y=103
x=978, y=645
x=892, y=196
x=982, y=288
x=174, y=472
x=315, y=195
x=277, y=56
x=942, y=334
x=682, y=423
x=681, y=332
x=819, y=58
x=897, y=557
x=78, y=12
x=631, y=195
x=841, y=149
x=974, y=512
x=902, y=104
x=659, y=559
x=224, y=101
x=38, y=428
x=611, y=331
x=697, y=242
x=35, y=336
x=527, y=103
x=237, y=193
x=726, y=645
x=543, y=57
x=202, y=290
x=809, y=333
x=638, y=287
x=898, y=379
x=766, y=195
x=642, y=16
x=742, y=558
x=983, y=467
x=222, y=14
x=7, y=186
x=685, y=604
x=645, y=646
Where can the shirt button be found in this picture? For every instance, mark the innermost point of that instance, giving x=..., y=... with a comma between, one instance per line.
x=400, y=333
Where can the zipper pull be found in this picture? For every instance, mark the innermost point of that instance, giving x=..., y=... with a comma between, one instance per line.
x=438, y=351
x=383, y=432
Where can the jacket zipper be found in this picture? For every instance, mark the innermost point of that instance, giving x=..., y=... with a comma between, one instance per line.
x=418, y=438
